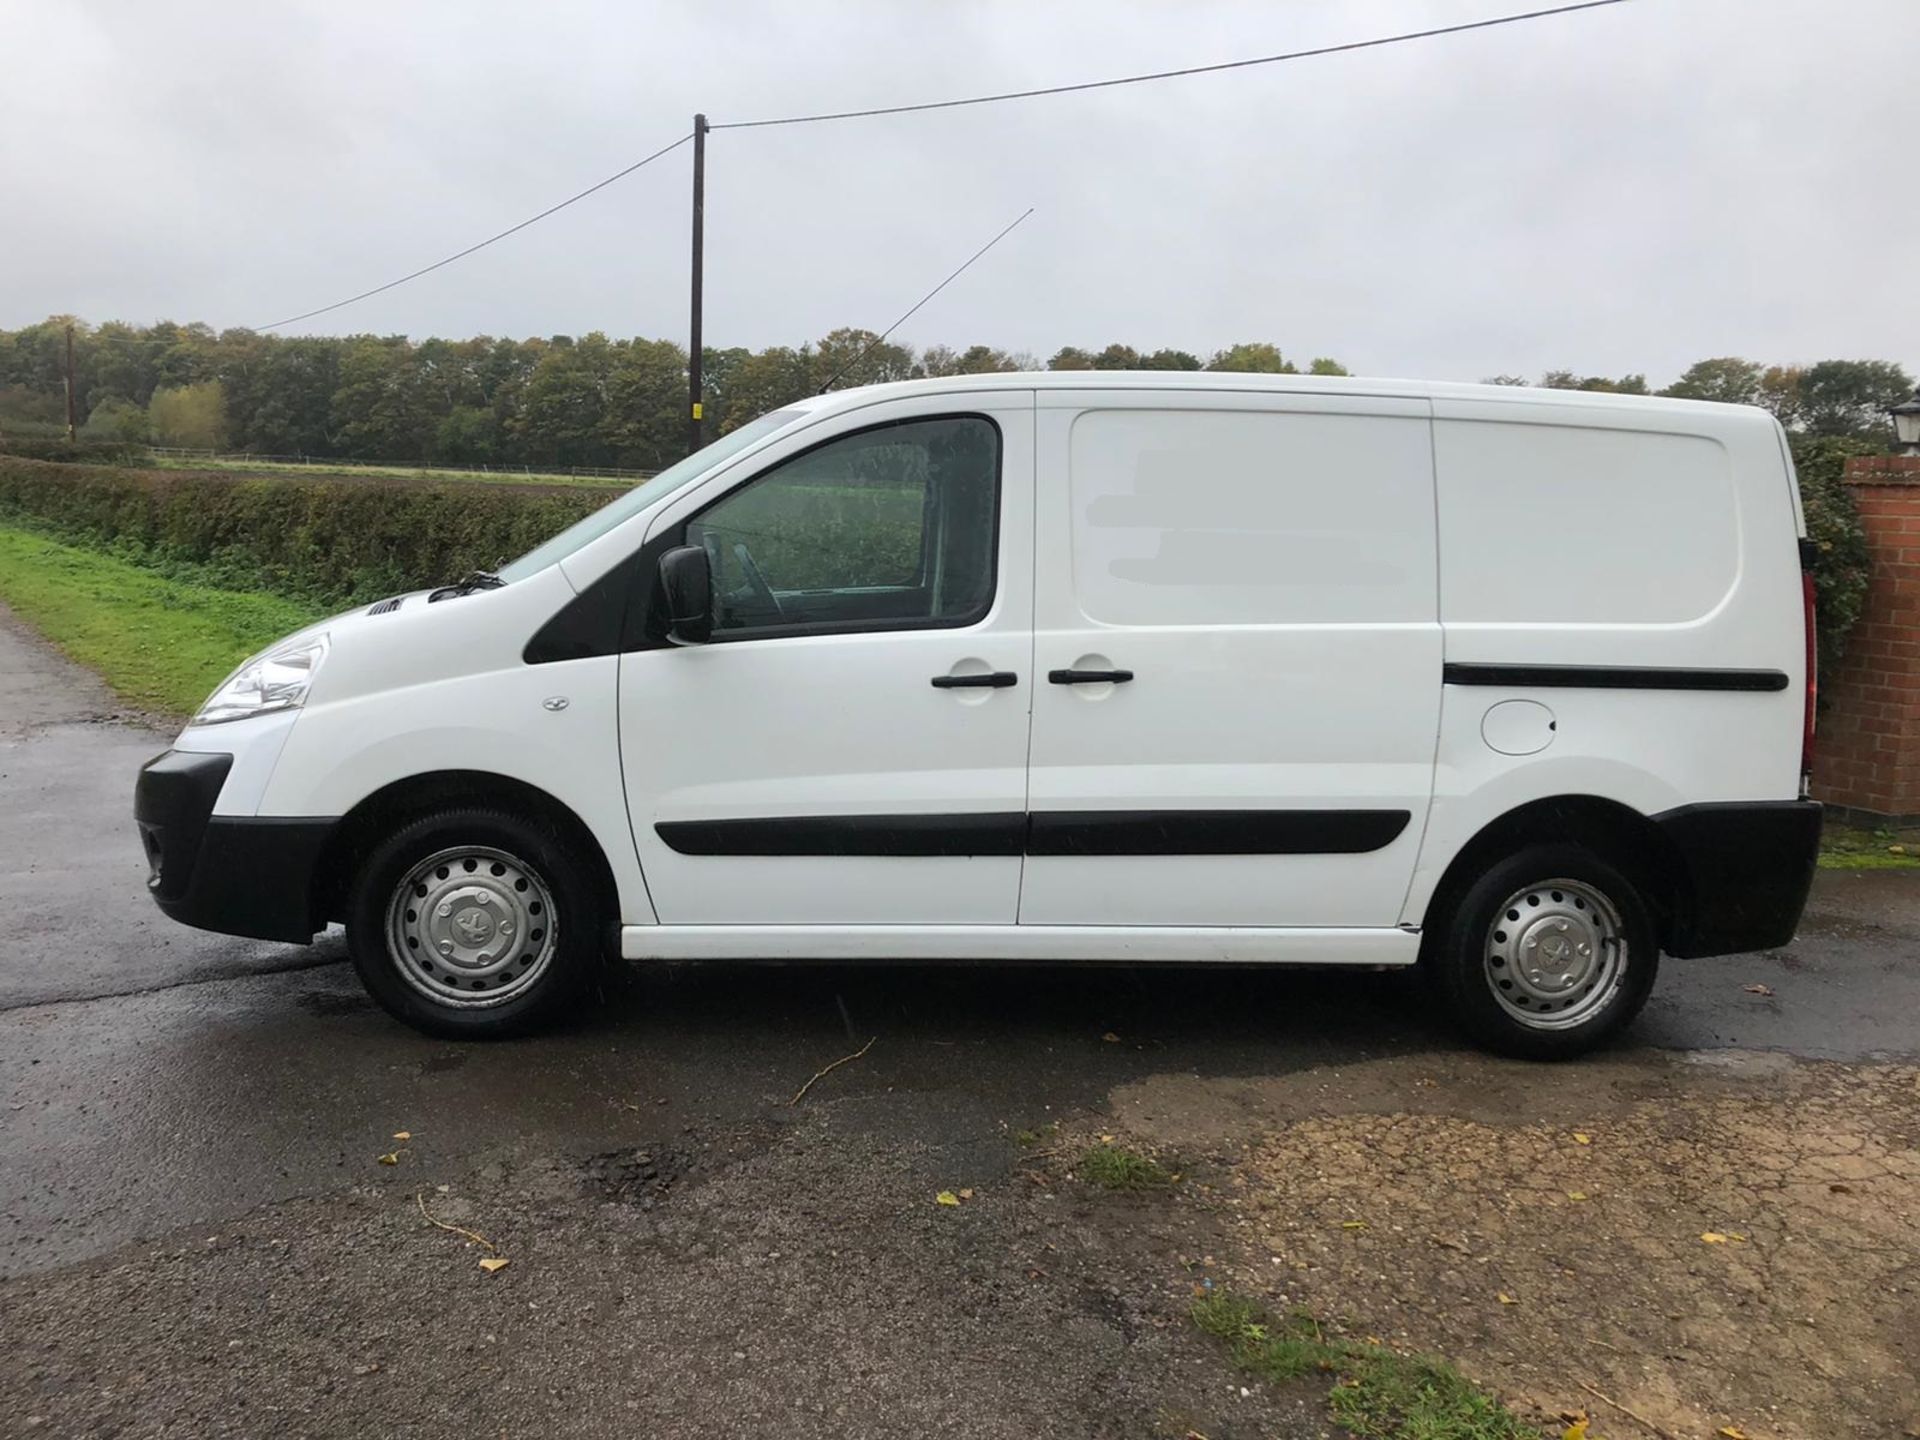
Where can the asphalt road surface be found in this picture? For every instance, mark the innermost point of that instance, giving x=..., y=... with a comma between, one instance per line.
x=195, y=1225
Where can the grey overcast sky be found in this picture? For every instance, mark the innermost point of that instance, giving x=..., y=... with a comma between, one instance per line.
x=1625, y=189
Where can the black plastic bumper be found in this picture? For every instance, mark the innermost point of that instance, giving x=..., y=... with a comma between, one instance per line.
x=1745, y=872
x=239, y=876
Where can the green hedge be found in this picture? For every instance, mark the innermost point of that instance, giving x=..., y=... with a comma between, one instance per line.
x=1840, y=561
x=334, y=542
x=75, y=452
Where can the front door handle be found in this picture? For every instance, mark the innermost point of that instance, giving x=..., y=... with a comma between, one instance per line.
x=991, y=680
x=1088, y=677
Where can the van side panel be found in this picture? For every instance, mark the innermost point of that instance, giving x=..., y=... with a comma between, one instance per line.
x=1655, y=549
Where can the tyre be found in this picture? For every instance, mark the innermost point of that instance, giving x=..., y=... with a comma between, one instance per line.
x=1546, y=955
x=473, y=923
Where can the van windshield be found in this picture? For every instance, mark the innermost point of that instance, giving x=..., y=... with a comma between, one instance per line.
x=646, y=493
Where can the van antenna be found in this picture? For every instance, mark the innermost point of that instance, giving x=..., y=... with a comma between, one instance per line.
x=871, y=344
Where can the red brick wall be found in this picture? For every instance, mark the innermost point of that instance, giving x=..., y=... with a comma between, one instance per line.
x=1869, y=735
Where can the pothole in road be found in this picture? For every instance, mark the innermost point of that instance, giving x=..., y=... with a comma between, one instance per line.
x=335, y=1002
x=638, y=1177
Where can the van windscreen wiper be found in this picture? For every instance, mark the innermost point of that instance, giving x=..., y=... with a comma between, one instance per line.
x=473, y=580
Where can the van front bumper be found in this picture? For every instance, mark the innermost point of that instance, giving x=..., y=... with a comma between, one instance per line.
x=1745, y=870
x=238, y=875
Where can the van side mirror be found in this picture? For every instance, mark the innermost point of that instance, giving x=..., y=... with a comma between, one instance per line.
x=687, y=582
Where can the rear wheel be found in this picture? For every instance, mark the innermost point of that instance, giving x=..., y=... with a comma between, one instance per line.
x=1548, y=954
x=474, y=923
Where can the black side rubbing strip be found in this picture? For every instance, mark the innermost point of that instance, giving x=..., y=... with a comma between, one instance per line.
x=1611, y=677
x=1213, y=832
x=999, y=833
x=1052, y=832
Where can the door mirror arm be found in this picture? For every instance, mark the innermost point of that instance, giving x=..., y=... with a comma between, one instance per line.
x=686, y=581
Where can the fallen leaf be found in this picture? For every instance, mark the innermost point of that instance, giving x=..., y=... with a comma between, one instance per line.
x=1733, y=1432
x=1353, y=1224
x=494, y=1262
x=946, y=1197
x=1839, y=1189
x=390, y=1158
x=1576, y=1194
x=1111, y=1038
x=1714, y=1237
x=1580, y=1137
x=1578, y=1429
x=403, y=1134
x=966, y=1194
x=1757, y=989
x=1106, y=1139
x=1506, y=1299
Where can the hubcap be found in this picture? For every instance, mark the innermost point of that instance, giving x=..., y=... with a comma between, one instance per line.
x=1556, y=954
x=471, y=927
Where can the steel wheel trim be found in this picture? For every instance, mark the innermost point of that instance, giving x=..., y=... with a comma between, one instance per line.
x=471, y=927
x=1555, y=954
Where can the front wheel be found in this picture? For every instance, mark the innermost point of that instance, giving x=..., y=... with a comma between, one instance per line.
x=1546, y=955
x=474, y=923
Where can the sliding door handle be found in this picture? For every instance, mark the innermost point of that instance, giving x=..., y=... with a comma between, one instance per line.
x=1088, y=677
x=992, y=680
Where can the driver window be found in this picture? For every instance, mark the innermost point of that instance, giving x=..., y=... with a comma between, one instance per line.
x=889, y=528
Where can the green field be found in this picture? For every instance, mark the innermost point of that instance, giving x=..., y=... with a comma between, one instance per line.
x=161, y=644
x=405, y=472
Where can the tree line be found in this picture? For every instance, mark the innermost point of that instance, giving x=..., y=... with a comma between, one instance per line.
x=596, y=401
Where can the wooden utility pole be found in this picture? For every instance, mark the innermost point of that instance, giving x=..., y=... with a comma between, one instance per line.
x=70, y=429
x=699, y=233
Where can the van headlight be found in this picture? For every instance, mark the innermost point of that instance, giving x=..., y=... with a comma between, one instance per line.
x=277, y=679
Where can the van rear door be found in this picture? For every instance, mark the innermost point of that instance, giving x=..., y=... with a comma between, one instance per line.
x=1237, y=659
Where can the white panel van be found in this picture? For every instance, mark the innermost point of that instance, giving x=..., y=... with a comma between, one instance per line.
x=1512, y=685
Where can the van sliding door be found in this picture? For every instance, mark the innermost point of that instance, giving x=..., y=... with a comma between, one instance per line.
x=1237, y=659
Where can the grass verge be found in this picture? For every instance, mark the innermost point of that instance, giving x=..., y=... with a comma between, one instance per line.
x=161, y=644
x=408, y=472
x=1377, y=1394
x=1852, y=847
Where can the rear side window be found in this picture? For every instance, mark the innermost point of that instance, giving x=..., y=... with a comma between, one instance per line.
x=1554, y=524
x=1186, y=517
x=888, y=528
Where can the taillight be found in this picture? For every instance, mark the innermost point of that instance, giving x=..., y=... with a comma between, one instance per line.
x=1813, y=673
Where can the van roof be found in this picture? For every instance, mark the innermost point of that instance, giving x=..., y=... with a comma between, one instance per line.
x=1225, y=380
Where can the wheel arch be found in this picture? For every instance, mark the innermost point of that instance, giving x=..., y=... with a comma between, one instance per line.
x=1628, y=840
x=395, y=804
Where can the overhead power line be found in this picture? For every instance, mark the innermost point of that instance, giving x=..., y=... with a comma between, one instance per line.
x=870, y=346
x=462, y=254
x=993, y=99
x=1486, y=24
